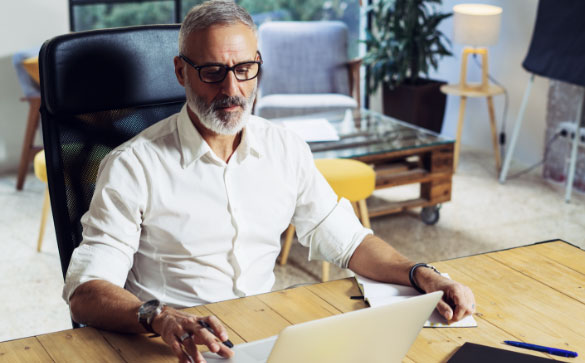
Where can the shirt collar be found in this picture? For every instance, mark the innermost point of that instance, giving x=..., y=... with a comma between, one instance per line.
x=249, y=144
x=193, y=146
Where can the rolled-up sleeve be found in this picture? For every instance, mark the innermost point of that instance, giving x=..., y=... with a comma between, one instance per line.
x=338, y=236
x=328, y=227
x=111, y=226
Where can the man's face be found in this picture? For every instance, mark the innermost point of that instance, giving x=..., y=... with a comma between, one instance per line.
x=222, y=107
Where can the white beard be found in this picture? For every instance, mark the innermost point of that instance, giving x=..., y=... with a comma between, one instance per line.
x=221, y=122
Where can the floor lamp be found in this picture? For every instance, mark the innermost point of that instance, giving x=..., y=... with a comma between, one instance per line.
x=476, y=26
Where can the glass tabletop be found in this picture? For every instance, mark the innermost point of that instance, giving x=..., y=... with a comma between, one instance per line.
x=364, y=132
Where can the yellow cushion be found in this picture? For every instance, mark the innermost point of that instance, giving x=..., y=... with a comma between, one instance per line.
x=41, y=166
x=350, y=179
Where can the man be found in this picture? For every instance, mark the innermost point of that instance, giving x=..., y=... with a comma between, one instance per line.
x=191, y=210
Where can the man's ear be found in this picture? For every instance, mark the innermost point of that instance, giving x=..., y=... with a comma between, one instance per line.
x=179, y=69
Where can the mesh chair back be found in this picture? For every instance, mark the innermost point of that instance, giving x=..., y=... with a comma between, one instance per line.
x=99, y=89
x=304, y=57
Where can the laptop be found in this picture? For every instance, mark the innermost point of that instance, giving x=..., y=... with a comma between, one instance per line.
x=380, y=334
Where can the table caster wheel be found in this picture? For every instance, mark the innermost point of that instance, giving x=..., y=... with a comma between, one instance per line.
x=430, y=215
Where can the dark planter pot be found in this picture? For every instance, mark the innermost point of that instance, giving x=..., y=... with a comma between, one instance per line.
x=421, y=104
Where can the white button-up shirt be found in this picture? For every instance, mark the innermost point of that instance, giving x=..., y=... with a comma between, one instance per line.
x=172, y=221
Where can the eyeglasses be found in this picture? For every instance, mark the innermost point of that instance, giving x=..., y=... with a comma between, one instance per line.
x=216, y=72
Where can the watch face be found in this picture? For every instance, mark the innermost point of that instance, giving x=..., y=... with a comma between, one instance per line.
x=148, y=308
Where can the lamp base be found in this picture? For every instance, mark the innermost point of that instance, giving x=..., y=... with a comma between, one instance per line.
x=484, y=85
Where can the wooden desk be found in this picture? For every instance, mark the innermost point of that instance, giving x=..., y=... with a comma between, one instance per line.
x=534, y=293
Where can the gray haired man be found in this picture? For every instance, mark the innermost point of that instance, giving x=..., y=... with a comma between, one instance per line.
x=191, y=210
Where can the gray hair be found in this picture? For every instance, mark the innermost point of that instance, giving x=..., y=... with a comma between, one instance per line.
x=225, y=12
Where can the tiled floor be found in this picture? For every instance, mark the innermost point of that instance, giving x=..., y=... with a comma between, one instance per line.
x=482, y=216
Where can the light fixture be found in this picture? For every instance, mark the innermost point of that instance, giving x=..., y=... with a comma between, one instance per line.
x=476, y=26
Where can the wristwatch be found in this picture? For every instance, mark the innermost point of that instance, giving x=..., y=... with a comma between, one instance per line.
x=148, y=311
x=411, y=275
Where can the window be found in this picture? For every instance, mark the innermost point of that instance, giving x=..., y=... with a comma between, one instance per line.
x=347, y=11
x=98, y=14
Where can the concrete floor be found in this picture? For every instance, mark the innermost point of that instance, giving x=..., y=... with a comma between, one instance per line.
x=482, y=216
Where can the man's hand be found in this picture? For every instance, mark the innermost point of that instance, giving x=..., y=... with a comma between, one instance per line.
x=458, y=300
x=377, y=260
x=174, y=325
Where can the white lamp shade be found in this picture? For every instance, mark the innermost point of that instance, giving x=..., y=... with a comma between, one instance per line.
x=476, y=25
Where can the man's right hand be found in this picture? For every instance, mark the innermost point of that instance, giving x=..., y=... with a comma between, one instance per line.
x=173, y=324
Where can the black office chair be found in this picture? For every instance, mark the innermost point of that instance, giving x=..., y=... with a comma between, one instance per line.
x=99, y=89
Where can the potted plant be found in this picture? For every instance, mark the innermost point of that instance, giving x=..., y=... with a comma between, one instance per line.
x=405, y=44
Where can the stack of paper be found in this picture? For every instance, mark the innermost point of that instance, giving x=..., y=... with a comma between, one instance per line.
x=380, y=293
x=311, y=130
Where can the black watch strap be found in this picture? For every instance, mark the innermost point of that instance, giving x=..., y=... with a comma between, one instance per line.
x=411, y=275
x=147, y=312
x=146, y=326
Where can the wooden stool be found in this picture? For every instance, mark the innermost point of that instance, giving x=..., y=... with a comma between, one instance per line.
x=349, y=179
x=40, y=166
x=483, y=89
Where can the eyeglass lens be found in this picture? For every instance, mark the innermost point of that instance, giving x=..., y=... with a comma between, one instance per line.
x=217, y=73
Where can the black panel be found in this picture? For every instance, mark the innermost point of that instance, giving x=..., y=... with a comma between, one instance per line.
x=557, y=49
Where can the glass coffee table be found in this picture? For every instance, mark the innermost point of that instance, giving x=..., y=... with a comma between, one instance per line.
x=400, y=153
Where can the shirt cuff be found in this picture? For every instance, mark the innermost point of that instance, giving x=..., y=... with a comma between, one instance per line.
x=338, y=236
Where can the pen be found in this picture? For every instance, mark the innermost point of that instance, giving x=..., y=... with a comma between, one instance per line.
x=540, y=348
x=227, y=343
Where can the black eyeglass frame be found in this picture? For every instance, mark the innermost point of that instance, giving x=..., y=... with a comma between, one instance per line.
x=227, y=68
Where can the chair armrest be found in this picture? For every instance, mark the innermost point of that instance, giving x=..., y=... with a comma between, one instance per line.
x=353, y=67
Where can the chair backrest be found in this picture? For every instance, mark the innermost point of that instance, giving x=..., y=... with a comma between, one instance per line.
x=99, y=89
x=304, y=57
x=30, y=88
x=557, y=48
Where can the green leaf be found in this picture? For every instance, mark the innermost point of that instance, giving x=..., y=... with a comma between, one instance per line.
x=406, y=41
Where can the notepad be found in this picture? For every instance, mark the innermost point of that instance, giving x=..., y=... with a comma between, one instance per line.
x=380, y=293
x=477, y=353
x=312, y=130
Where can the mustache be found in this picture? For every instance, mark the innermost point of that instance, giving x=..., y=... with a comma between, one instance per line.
x=228, y=101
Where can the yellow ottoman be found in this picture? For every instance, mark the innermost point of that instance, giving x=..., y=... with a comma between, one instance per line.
x=40, y=166
x=349, y=179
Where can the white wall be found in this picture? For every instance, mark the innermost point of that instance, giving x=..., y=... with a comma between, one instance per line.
x=505, y=65
x=23, y=24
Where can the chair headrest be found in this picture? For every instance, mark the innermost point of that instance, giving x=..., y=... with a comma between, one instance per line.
x=110, y=69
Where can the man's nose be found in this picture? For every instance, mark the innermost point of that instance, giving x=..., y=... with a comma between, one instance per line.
x=230, y=84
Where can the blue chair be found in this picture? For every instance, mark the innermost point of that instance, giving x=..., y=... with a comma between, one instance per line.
x=32, y=95
x=306, y=69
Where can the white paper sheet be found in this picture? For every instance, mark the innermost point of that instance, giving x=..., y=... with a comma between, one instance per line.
x=311, y=130
x=379, y=293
